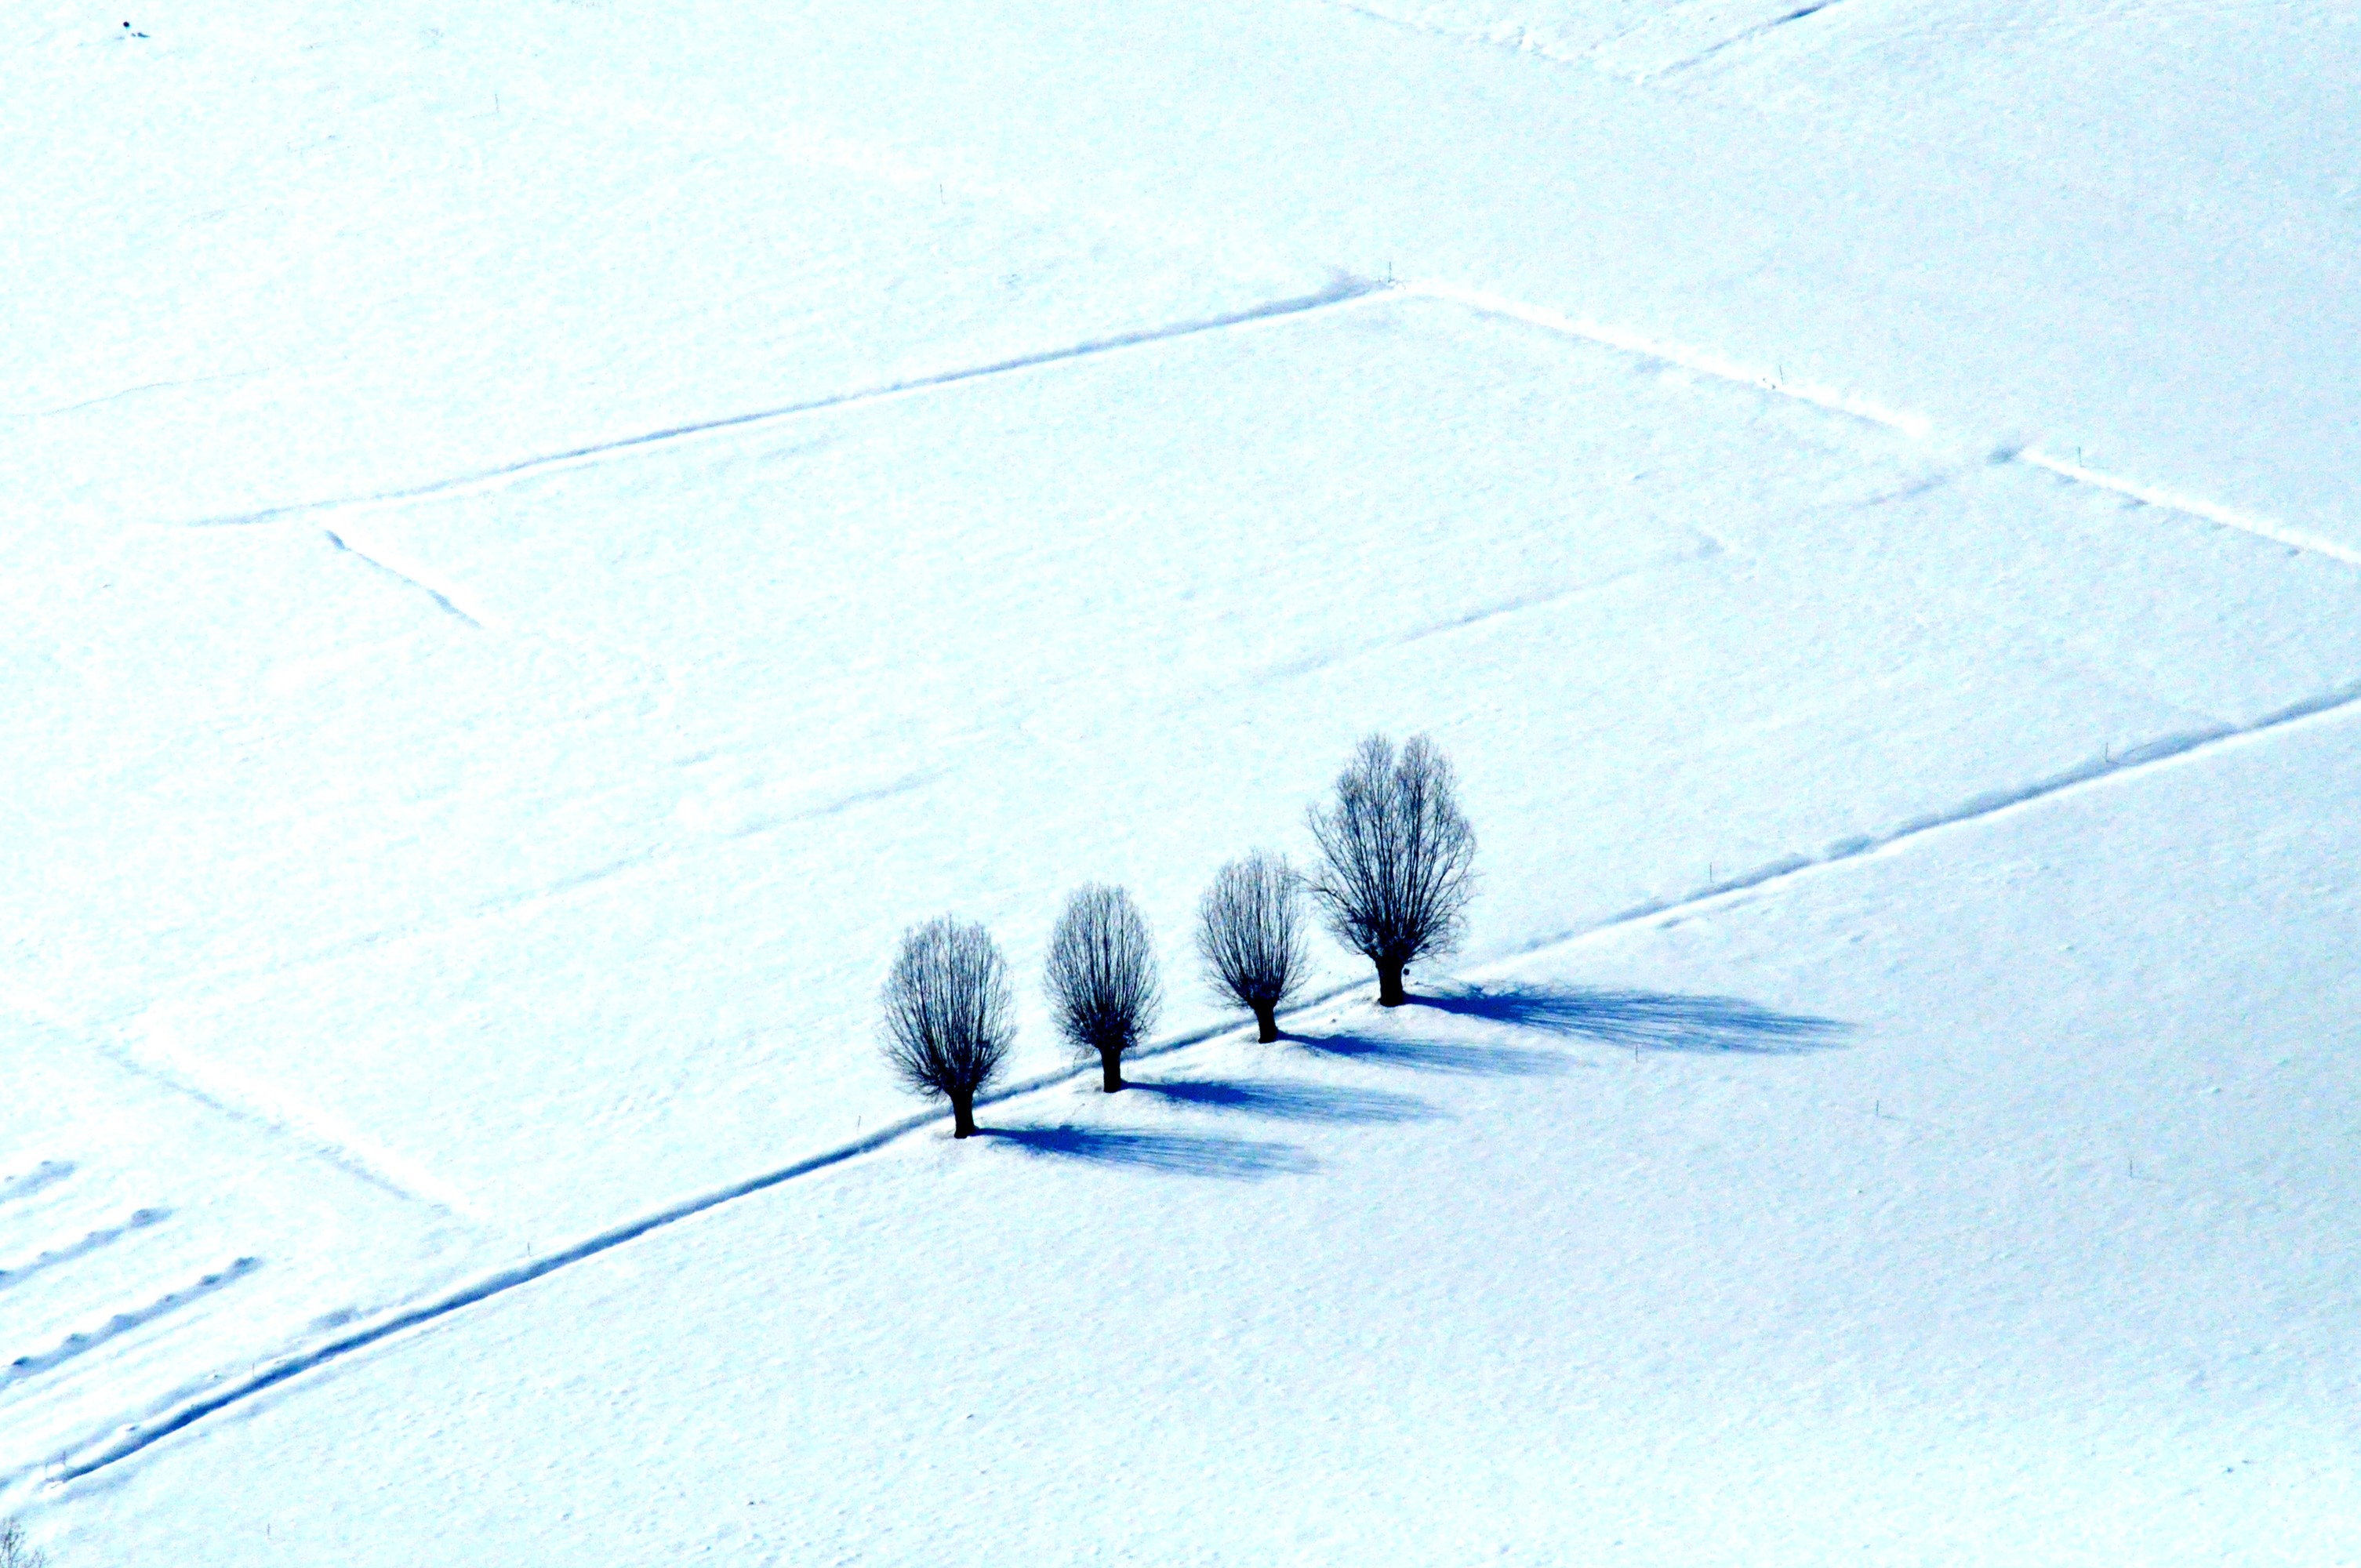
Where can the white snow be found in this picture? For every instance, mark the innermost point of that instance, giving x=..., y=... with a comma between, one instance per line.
x=539, y=541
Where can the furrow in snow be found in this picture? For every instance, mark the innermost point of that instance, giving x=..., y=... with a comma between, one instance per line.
x=1346, y=290
x=1527, y=46
x=1737, y=40
x=441, y=598
x=1918, y=426
x=1992, y=803
x=1702, y=360
x=250, y=1102
x=2193, y=506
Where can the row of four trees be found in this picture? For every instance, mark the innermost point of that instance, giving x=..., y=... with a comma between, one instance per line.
x=1397, y=867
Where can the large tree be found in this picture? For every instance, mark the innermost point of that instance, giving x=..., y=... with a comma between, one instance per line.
x=948, y=1016
x=1398, y=859
x=1102, y=977
x=1250, y=934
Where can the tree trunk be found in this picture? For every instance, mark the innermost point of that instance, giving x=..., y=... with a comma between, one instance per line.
x=1266, y=1025
x=1111, y=1071
x=963, y=1116
x=1390, y=984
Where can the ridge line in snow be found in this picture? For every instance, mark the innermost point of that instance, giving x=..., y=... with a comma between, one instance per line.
x=1917, y=426
x=1526, y=44
x=1346, y=289
x=1736, y=40
x=441, y=598
x=133, y=1439
x=1977, y=808
x=2193, y=506
x=232, y=1096
x=1703, y=360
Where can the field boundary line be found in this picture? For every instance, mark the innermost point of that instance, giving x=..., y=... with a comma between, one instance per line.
x=1708, y=362
x=2185, y=747
x=1346, y=290
x=1704, y=361
x=2192, y=506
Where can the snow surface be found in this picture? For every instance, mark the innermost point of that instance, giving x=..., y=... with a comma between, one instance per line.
x=540, y=540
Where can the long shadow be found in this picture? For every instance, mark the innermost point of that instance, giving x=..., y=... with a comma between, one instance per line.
x=123, y=1322
x=1290, y=1101
x=1648, y=1020
x=81, y=1246
x=1181, y=1154
x=1436, y=1056
x=48, y=1173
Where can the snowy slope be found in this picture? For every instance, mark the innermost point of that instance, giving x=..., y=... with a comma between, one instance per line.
x=2005, y=1220
x=539, y=543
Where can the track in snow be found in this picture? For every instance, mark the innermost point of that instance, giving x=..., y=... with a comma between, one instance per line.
x=441, y=599
x=1710, y=363
x=2192, y=506
x=1528, y=45
x=1992, y=803
x=1737, y=40
x=1346, y=290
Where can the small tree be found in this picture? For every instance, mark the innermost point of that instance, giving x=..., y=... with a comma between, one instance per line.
x=1250, y=934
x=1102, y=977
x=948, y=1018
x=14, y=1553
x=1399, y=860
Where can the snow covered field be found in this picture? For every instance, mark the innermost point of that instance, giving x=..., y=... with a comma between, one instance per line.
x=539, y=543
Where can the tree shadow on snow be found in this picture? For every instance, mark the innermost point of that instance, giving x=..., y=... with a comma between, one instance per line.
x=1291, y=1101
x=1647, y=1020
x=1434, y=1055
x=1184, y=1153
x=48, y=1173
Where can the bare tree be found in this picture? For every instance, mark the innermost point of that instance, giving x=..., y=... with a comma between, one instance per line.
x=14, y=1553
x=1399, y=860
x=1250, y=934
x=1102, y=977
x=948, y=1017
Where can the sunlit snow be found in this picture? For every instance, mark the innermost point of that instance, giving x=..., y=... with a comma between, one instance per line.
x=540, y=540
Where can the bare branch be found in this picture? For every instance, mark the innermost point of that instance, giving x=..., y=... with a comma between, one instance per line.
x=948, y=1016
x=1399, y=858
x=1250, y=934
x=1102, y=977
x=14, y=1551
